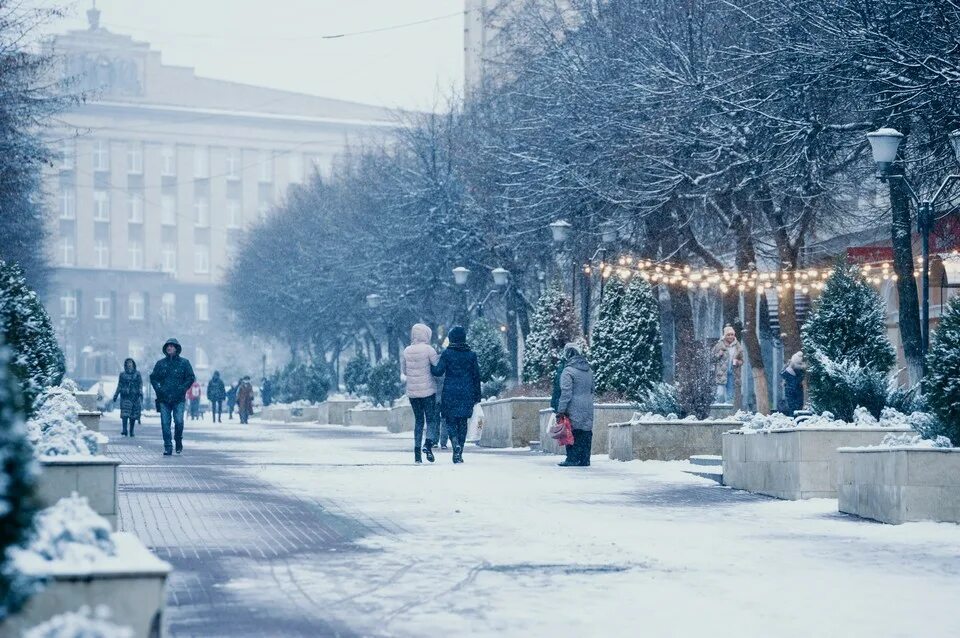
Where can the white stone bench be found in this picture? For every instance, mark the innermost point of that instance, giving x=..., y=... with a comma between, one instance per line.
x=666, y=440
x=94, y=477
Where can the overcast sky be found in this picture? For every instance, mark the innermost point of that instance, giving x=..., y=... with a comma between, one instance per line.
x=280, y=44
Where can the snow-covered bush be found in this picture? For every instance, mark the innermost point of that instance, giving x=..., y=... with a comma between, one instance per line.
x=300, y=381
x=604, y=341
x=661, y=399
x=485, y=340
x=942, y=382
x=493, y=387
x=80, y=624
x=356, y=375
x=553, y=325
x=384, y=386
x=70, y=385
x=914, y=440
x=55, y=428
x=70, y=532
x=18, y=478
x=846, y=345
x=862, y=418
x=26, y=329
x=695, y=381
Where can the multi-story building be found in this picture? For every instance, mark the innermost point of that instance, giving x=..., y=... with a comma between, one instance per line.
x=160, y=173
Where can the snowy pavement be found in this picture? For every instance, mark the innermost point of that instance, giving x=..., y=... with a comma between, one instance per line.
x=287, y=530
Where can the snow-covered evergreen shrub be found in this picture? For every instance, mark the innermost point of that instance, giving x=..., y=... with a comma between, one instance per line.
x=18, y=479
x=384, y=386
x=553, y=325
x=80, y=624
x=356, y=375
x=486, y=341
x=942, y=382
x=846, y=345
x=55, y=428
x=605, y=344
x=906, y=400
x=493, y=388
x=300, y=381
x=695, y=381
x=661, y=399
x=640, y=362
x=69, y=531
x=37, y=359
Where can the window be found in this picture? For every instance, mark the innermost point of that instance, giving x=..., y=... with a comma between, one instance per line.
x=68, y=251
x=296, y=167
x=137, y=306
x=201, y=260
x=101, y=308
x=201, y=212
x=68, y=306
x=135, y=208
x=168, y=305
x=168, y=161
x=101, y=254
x=233, y=164
x=168, y=210
x=266, y=167
x=136, y=350
x=101, y=156
x=201, y=359
x=68, y=155
x=262, y=209
x=135, y=158
x=68, y=203
x=101, y=206
x=202, y=305
x=233, y=214
x=168, y=256
x=135, y=250
x=201, y=162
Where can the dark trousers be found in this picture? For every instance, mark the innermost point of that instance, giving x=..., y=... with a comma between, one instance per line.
x=170, y=413
x=128, y=421
x=457, y=428
x=444, y=433
x=579, y=452
x=230, y=406
x=216, y=410
x=424, y=413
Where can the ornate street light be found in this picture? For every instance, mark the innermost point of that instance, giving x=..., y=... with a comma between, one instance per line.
x=460, y=275
x=561, y=230
x=500, y=276
x=884, y=143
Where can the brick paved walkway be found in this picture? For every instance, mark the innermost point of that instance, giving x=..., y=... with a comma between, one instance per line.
x=207, y=514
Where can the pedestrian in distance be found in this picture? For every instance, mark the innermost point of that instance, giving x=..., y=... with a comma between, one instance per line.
x=216, y=393
x=415, y=365
x=576, y=402
x=130, y=393
x=728, y=359
x=792, y=376
x=171, y=378
x=193, y=397
x=266, y=391
x=245, y=400
x=232, y=398
x=461, y=388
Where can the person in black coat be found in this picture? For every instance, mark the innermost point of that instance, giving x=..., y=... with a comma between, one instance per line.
x=461, y=388
x=172, y=376
x=216, y=393
x=232, y=398
x=792, y=376
x=130, y=393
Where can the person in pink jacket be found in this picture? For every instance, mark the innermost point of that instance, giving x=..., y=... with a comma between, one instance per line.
x=421, y=389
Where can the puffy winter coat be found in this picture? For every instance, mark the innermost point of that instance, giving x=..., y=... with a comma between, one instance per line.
x=576, y=393
x=461, y=385
x=172, y=376
x=416, y=361
x=245, y=397
x=215, y=389
x=130, y=393
x=723, y=354
x=792, y=389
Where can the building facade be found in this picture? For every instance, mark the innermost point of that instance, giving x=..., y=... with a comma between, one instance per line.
x=160, y=173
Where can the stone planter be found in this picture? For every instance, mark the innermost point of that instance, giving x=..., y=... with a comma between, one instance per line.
x=87, y=401
x=666, y=440
x=94, y=477
x=400, y=419
x=307, y=414
x=721, y=411
x=512, y=422
x=368, y=417
x=792, y=464
x=274, y=414
x=603, y=415
x=132, y=584
x=900, y=484
x=90, y=420
x=334, y=412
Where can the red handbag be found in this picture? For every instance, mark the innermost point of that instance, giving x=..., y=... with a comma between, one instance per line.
x=566, y=436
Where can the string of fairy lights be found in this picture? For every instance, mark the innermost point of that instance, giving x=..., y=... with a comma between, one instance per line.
x=803, y=280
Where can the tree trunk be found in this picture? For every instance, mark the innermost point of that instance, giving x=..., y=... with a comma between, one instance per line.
x=789, y=327
x=754, y=355
x=903, y=265
x=684, y=333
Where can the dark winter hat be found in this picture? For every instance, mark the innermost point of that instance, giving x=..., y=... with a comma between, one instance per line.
x=133, y=364
x=458, y=335
x=172, y=342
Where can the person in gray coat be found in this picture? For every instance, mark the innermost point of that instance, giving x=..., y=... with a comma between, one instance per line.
x=576, y=401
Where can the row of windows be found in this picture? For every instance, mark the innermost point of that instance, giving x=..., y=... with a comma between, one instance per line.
x=231, y=169
x=102, y=258
x=136, y=306
x=168, y=209
x=137, y=351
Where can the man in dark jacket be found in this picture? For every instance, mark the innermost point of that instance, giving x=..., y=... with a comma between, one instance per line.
x=172, y=376
x=461, y=388
x=216, y=393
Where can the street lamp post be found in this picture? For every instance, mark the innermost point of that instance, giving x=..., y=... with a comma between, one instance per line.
x=560, y=230
x=884, y=144
x=501, y=277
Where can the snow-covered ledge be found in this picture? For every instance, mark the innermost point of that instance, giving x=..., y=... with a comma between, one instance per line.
x=900, y=484
x=654, y=438
x=303, y=414
x=94, y=477
x=334, y=411
x=87, y=401
x=368, y=417
x=90, y=420
x=512, y=422
x=400, y=418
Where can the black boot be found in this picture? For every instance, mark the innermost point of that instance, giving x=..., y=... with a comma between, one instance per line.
x=416, y=455
x=179, y=447
x=132, y=423
x=457, y=454
x=428, y=450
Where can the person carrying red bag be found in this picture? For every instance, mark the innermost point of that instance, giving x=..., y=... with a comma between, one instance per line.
x=576, y=405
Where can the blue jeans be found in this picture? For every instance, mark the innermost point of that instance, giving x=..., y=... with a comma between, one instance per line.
x=166, y=415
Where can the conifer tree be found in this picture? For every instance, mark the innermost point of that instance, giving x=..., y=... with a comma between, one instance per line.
x=486, y=341
x=640, y=364
x=604, y=342
x=553, y=325
x=942, y=382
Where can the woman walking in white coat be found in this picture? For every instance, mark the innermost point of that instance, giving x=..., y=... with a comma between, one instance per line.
x=421, y=389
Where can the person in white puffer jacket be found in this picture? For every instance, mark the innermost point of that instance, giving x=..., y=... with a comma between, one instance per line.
x=421, y=389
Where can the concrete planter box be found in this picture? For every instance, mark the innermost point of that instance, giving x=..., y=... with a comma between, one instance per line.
x=897, y=485
x=307, y=414
x=603, y=415
x=270, y=413
x=666, y=440
x=132, y=584
x=94, y=477
x=335, y=412
x=794, y=463
x=721, y=411
x=368, y=417
x=400, y=419
x=90, y=420
x=87, y=401
x=512, y=422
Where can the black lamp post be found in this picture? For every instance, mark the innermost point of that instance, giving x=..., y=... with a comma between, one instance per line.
x=461, y=275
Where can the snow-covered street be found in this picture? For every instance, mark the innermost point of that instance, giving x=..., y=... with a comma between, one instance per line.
x=359, y=541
